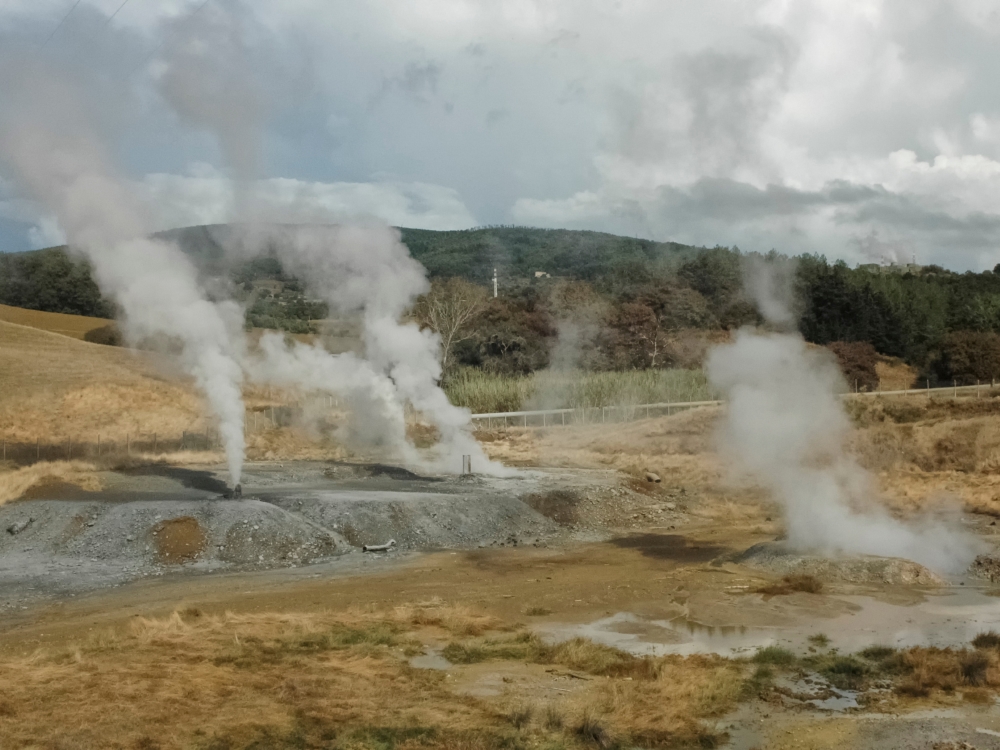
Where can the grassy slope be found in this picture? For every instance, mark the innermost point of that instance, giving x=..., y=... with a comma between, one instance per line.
x=53, y=387
x=75, y=326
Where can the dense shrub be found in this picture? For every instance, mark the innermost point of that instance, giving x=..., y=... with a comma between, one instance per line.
x=969, y=356
x=857, y=360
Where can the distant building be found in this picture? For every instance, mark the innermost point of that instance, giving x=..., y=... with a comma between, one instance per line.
x=898, y=269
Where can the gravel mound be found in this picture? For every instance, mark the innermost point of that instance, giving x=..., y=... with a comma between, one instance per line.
x=164, y=532
x=777, y=558
x=421, y=519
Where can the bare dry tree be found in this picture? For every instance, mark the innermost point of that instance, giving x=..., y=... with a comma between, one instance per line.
x=450, y=308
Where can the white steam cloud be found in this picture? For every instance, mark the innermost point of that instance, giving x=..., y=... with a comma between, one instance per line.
x=51, y=149
x=368, y=271
x=358, y=270
x=786, y=425
x=57, y=159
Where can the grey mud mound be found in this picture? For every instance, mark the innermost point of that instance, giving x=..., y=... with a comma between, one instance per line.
x=160, y=519
x=777, y=558
x=145, y=532
x=421, y=519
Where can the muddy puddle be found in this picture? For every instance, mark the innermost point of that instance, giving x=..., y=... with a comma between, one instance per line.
x=949, y=618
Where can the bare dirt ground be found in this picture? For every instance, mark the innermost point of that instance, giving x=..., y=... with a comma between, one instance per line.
x=577, y=605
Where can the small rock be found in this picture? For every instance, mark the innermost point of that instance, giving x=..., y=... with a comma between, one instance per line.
x=651, y=477
x=17, y=528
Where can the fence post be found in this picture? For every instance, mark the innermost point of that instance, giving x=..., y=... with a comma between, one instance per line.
x=954, y=384
x=98, y=445
x=154, y=442
x=128, y=446
x=38, y=449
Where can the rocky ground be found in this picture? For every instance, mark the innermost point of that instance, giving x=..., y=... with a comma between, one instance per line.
x=159, y=520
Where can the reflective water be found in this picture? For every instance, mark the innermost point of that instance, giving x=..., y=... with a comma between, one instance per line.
x=430, y=660
x=950, y=618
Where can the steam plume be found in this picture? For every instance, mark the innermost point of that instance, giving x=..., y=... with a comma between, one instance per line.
x=786, y=425
x=58, y=160
x=368, y=271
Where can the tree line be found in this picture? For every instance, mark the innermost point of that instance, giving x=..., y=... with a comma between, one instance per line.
x=665, y=314
x=596, y=301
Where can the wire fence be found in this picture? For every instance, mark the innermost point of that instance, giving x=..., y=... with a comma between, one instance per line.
x=632, y=412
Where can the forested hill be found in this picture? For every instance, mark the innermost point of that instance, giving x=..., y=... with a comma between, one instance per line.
x=642, y=292
x=516, y=252
x=520, y=252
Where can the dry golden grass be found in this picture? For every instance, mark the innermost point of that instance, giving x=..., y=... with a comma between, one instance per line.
x=334, y=681
x=894, y=374
x=926, y=454
x=74, y=326
x=55, y=389
x=17, y=483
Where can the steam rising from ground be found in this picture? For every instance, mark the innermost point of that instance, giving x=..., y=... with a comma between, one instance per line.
x=60, y=162
x=786, y=425
x=367, y=271
x=358, y=270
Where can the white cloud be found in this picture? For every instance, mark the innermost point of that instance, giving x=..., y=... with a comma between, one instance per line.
x=805, y=125
x=209, y=198
x=46, y=233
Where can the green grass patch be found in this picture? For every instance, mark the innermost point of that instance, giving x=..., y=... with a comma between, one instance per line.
x=485, y=392
x=774, y=655
x=877, y=653
x=845, y=672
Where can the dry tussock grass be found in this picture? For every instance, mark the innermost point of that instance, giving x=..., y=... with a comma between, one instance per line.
x=894, y=374
x=666, y=710
x=283, y=680
x=288, y=443
x=929, y=669
x=17, y=483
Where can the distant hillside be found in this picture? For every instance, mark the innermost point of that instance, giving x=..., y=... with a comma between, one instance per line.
x=520, y=252
x=473, y=253
x=55, y=281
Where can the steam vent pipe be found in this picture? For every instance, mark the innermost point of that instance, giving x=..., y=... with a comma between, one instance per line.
x=466, y=464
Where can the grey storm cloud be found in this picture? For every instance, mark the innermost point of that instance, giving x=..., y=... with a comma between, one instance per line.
x=804, y=127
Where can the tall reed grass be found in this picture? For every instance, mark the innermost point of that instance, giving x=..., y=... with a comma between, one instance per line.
x=484, y=392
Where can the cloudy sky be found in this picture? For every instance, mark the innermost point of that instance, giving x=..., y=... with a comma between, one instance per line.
x=860, y=129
